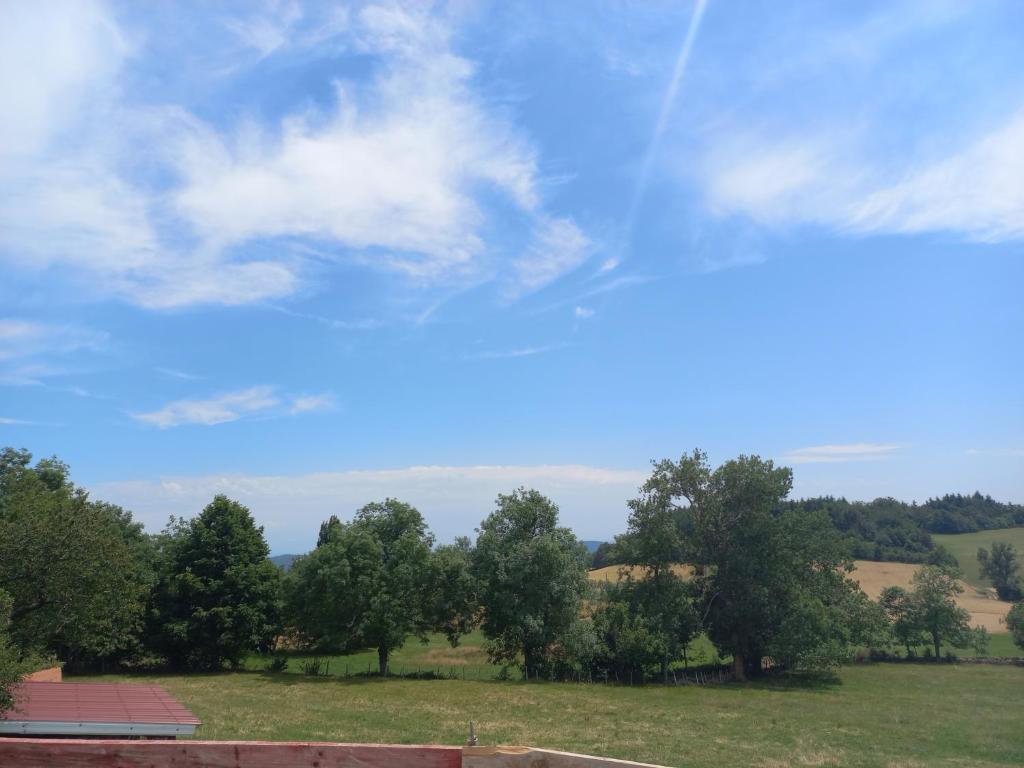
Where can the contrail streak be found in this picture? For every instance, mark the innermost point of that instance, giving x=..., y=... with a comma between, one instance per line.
x=667, y=103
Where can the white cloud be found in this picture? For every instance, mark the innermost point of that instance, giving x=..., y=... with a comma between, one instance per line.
x=6, y=421
x=513, y=353
x=32, y=351
x=583, y=313
x=393, y=171
x=1004, y=452
x=312, y=404
x=229, y=406
x=176, y=374
x=834, y=454
x=453, y=499
x=557, y=248
x=393, y=176
x=975, y=192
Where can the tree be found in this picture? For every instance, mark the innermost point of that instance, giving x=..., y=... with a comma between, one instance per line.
x=455, y=600
x=934, y=609
x=219, y=595
x=1001, y=568
x=13, y=664
x=77, y=571
x=329, y=529
x=771, y=580
x=371, y=583
x=532, y=576
x=658, y=597
x=899, y=609
x=1015, y=623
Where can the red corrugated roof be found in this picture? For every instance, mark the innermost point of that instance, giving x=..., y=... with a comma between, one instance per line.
x=97, y=703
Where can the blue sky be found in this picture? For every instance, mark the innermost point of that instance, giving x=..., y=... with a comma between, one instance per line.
x=316, y=254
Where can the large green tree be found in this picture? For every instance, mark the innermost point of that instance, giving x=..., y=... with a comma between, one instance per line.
x=934, y=610
x=1000, y=566
x=77, y=571
x=772, y=581
x=218, y=596
x=371, y=583
x=532, y=577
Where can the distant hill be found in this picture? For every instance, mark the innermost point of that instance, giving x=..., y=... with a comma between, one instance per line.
x=592, y=545
x=284, y=562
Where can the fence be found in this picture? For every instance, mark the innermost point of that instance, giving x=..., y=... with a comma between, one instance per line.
x=81, y=753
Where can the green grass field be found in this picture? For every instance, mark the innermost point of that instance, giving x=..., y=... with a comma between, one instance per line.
x=869, y=715
x=467, y=661
x=964, y=547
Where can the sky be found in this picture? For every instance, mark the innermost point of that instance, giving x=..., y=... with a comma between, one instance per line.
x=316, y=254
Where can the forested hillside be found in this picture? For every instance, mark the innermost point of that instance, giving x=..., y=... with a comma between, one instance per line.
x=886, y=528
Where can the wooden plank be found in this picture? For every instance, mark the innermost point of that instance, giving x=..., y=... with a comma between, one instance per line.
x=118, y=753
x=529, y=757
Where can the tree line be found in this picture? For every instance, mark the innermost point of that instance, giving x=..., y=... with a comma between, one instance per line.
x=81, y=582
x=887, y=529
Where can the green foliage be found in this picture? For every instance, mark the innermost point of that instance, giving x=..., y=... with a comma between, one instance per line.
x=77, y=571
x=1000, y=566
x=218, y=595
x=454, y=596
x=928, y=614
x=887, y=529
x=12, y=666
x=771, y=579
x=329, y=530
x=642, y=625
x=371, y=583
x=1015, y=623
x=532, y=576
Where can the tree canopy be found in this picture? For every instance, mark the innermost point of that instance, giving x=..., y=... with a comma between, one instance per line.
x=770, y=581
x=218, y=594
x=1000, y=566
x=374, y=583
x=532, y=577
x=77, y=571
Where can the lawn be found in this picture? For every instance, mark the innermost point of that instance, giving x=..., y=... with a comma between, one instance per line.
x=436, y=657
x=965, y=547
x=869, y=715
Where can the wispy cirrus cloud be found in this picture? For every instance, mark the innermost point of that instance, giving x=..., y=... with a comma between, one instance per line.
x=840, y=453
x=505, y=354
x=558, y=247
x=219, y=409
x=1003, y=452
x=32, y=351
x=231, y=406
x=312, y=404
x=399, y=171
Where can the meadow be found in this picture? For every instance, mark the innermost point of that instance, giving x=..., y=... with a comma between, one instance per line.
x=964, y=547
x=866, y=715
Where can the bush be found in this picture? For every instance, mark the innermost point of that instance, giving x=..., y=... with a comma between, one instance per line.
x=277, y=664
x=315, y=667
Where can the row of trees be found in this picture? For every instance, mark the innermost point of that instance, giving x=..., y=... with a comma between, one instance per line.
x=888, y=529
x=80, y=581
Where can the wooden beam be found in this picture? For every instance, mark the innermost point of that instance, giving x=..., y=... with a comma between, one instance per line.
x=119, y=753
x=529, y=757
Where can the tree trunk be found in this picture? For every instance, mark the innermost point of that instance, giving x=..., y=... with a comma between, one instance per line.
x=664, y=671
x=935, y=639
x=382, y=660
x=739, y=667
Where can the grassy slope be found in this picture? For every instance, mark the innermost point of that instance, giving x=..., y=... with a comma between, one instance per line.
x=965, y=547
x=873, y=715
